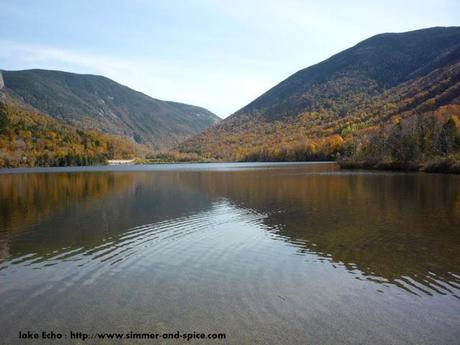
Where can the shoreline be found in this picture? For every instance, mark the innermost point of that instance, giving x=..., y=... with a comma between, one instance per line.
x=442, y=165
x=139, y=167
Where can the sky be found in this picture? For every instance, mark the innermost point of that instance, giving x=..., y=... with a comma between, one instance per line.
x=217, y=54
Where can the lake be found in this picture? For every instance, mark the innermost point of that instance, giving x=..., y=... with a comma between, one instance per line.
x=267, y=253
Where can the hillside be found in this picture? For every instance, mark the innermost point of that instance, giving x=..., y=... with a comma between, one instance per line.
x=96, y=102
x=28, y=138
x=322, y=110
x=367, y=69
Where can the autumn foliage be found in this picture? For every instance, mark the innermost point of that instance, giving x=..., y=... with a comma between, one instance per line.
x=31, y=139
x=330, y=129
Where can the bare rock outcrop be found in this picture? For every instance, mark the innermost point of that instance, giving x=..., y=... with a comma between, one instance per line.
x=2, y=83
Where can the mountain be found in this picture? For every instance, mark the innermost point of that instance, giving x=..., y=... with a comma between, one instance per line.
x=372, y=66
x=320, y=110
x=96, y=102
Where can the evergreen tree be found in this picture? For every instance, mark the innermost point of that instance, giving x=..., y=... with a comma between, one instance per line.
x=447, y=137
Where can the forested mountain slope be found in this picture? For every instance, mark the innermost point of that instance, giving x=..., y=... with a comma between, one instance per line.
x=96, y=102
x=28, y=138
x=367, y=69
x=337, y=105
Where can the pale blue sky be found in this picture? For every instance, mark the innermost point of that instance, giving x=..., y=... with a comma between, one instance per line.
x=211, y=53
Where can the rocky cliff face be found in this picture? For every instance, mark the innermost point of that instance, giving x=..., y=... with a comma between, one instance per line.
x=2, y=83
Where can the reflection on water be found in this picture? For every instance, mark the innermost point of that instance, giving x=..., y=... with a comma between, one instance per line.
x=275, y=253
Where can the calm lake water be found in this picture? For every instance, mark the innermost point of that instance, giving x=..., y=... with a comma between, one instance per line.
x=266, y=253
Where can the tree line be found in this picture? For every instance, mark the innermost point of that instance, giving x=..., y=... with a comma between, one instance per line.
x=425, y=141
